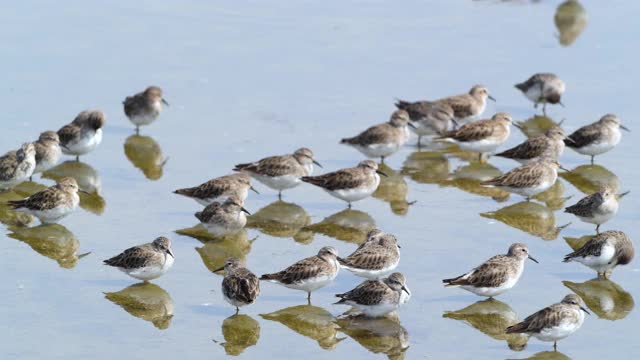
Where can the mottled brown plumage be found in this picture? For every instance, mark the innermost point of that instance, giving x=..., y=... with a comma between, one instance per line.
x=311, y=267
x=84, y=121
x=465, y=106
x=543, y=88
x=495, y=128
x=376, y=298
x=141, y=256
x=47, y=151
x=50, y=197
x=348, y=178
x=597, y=138
x=17, y=166
x=379, y=253
x=617, y=246
x=144, y=107
x=225, y=186
x=273, y=166
x=240, y=286
x=550, y=144
x=529, y=179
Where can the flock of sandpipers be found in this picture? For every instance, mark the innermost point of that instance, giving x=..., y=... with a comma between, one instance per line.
x=450, y=119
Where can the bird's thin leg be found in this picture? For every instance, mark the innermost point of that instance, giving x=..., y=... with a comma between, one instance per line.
x=592, y=156
x=309, y=298
x=528, y=198
x=31, y=178
x=419, y=141
x=555, y=346
x=598, y=229
x=480, y=158
x=137, y=129
x=544, y=108
x=280, y=195
x=77, y=158
x=382, y=159
x=237, y=310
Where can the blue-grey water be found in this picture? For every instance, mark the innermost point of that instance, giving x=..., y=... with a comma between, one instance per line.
x=251, y=79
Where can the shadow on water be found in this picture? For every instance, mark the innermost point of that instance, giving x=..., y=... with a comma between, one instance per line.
x=547, y=355
x=570, y=20
x=216, y=251
x=145, y=154
x=553, y=197
x=426, y=167
x=536, y=125
x=281, y=219
x=530, y=217
x=240, y=332
x=491, y=317
x=347, y=225
x=88, y=180
x=604, y=297
x=145, y=301
x=309, y=321
x=379, y=336
x=15, y=218
x=393, y=189
x=588, y=178
x=53, y=241
x=468, y=178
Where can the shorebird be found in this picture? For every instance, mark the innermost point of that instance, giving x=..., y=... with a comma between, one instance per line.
x=309, y=274
x=223, y=218
x=496, y=275
x=543, y=88
x=376, y=298
x=240, y=286
x=529, y=179
x=382, y=140
x=48, y=151
x=51, y=204
x=604, y=252
x=281, y=172
x=17, y=166
x=554, y=322
x=549, y=144
x=597, y=208
x=430, y=119
x=351, y=184
x=144, y=107
x=483, y=136
x=375, y=258
x=145, y=262
x=219, y=189
x=83, y=134
x=597, y=138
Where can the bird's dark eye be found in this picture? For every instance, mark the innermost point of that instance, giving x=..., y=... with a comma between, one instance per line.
x=524, y=250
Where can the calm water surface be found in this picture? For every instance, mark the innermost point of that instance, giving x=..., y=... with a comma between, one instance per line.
x=260, y=78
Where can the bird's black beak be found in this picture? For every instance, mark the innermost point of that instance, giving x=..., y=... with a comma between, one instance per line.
x=219, y=269
x=64, y=146
x=253, y=189
x=399, y=247
x=585, y=310
x=340, y=260
x=570, y=140
x=84, y=192
x=164, y=102
x=245, y=210
x=381, y=173
x=406, y=290
x=532, y=259
x=491, y=98
x=564, y=168
x=412, y=126
x=624, y=128
x=620, y=196
x=560, y=103
x=317, y=163
x=170, y=253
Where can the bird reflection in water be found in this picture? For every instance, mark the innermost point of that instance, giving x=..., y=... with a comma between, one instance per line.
x=393, y=190
x=530, y=217
x=239, y=332
x=379, y=336
x=426, y=167
x=146, y=301
x=491, y=317
x=310, y=321
x=53, y=241
x=468, y=178
x=216, y=251
x=281, y=219
x=589, y=178
x=145, y=154
x=347, y=225
x=604, y=297
x=570, y=20
x=553, y=197
x=88, y=180
x=536, y=125
x=15, y=218
x=547, y=355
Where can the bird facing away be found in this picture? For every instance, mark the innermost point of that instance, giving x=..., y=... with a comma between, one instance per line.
x=240, y=286
x=597, y=208
x=604, y=252
x=549, y=144
x=554, y=322
x=496, y=275
x=351, y=184
x=225, y=218
x=48, y=151
x=482, y=136
x=529, y=179
x=219, y=189
x=543, y=88
x=51, y=204
x=376, y=258
x=309, y=274
x=144, y=107
x=281, y=172
x=429, y=118
x=382, y=140
x=83, y=134
x=17, y=166
x=376, y=298
x=145, y=262
x=597, y=138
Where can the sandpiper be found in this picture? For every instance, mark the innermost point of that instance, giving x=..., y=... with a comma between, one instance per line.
x=466, y=107
x=597, y=138
x=496, y=275
x=529, y=179
x=309, y=274
x=240, y=286
x=17, y=166
x=219, y=189
x=48, y=151
x=543, y=88
x=144, y=107
x=351, y=184
x=604, y=252
x=550, y=144
x=378, y=257
x=376, y=298
x=223, y=218
x=83, y=134
x=597, y=208
x=281, y=172
x=430, y=119
x=483, y=136
x=51, y=204
x=383, y=140
x=554, y=322
x=145, y=262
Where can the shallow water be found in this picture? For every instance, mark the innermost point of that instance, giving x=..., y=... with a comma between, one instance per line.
x=249, y=80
